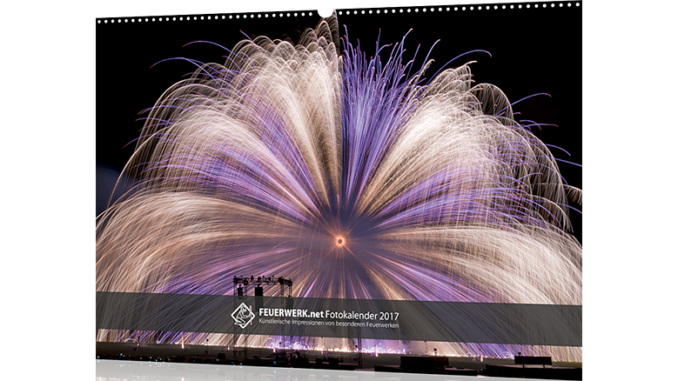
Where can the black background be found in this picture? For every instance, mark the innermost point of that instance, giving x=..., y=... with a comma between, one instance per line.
x=536, y=50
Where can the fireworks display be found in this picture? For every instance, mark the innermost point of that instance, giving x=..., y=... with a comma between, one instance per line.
x=356, y=177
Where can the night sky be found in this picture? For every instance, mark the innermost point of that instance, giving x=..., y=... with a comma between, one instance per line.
x=533, y=51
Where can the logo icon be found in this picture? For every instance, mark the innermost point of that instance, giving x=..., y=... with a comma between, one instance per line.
x=243, y=316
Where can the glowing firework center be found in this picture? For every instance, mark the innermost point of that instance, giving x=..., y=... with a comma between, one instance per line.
x=358, y=179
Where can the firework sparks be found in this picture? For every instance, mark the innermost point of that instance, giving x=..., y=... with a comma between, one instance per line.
x=347, y=175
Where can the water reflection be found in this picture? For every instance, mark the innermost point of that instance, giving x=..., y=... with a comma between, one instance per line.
x=113, y=374
x=115, y=370
x=240, y=376
x=121, y=361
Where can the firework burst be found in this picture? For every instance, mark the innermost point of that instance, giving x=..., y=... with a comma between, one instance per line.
x=353, y=177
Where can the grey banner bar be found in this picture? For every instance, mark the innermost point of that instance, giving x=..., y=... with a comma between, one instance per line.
x=499, y=323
